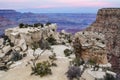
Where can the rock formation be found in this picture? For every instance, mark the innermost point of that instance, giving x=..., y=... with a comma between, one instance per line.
x=23, y=37
x=108, y=23
x=90, y=46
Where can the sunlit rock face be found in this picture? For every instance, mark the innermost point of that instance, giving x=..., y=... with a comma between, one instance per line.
x=30, y=34
x=90, y=45
x=108, y=23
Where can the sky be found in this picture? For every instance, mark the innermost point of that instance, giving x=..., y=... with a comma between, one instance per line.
x=58, y=6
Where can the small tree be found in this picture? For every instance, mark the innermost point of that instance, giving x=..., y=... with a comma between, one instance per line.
x=48, y=23
x=21, y=25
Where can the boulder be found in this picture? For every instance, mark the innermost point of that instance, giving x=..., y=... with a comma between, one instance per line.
x=6, y=49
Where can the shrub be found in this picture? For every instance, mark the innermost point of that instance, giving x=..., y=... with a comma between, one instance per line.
x=54, y=64
x=48, y=23
x=42, y=69
x=77, y=62
x=63, y=43
x=73, y=72
x=69, y=41
x=51, y=40
x=38, y=24
x=92, y=62
x=21, y=25
x=109, y=77
x=53, y=57
x=15, y=56
x=67, y=52
x=26, y=25
x=97, y=39
x=11, y=44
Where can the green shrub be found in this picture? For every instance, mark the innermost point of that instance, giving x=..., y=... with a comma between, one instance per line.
x=69, y=41
x=26, y=25
x=53, y=57
x=21, y=25
x=67, y=52
x=38, y=24
x=48, y=23
x=92, y=62
x=63, y=43
x=42, y=69
x=109, y=77
x=77, y=62
x=51, y=40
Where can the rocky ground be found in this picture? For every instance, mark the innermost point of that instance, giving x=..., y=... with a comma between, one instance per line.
x=21, y=71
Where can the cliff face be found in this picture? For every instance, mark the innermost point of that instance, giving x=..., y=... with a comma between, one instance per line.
x=90, y=45
x=108, y=23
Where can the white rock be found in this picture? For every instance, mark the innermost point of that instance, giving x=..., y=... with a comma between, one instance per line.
x=1, y=41
x=30, y=52
x=22, y=44
x=6, y=49
x=38, y=51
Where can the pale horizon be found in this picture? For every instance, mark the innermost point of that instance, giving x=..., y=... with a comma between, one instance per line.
x=62, y=6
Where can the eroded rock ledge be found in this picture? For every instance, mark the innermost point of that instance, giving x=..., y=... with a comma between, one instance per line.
x=90, y=46
x=108, y=23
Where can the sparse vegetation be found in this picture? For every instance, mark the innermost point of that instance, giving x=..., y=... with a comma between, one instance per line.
x=109, y=77
x=92, y=62
x=73, y=72
x=21, y=25
x=15, y=56
x=77, y=62
x=51, y=40
x=69, y=41
x=48, y=23
x=53, y=57
x=42, y=69
x=67, y=52
x=38, y=24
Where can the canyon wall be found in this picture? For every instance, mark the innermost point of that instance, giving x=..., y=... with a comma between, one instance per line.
x=108, y=23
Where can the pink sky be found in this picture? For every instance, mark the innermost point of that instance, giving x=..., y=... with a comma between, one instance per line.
x=19, y=4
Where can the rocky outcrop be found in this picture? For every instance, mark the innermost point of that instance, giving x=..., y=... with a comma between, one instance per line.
x=90, y=46
x=23, y=37
x=108, y=23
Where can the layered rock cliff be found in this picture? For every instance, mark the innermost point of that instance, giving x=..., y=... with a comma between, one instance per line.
x=108, y=23
x=90, y=45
